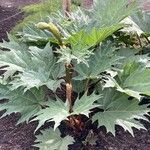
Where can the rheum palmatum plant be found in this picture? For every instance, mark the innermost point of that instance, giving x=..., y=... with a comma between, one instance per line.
x=103, y=78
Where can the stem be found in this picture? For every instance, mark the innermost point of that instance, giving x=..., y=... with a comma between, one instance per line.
x=67, y=7
x=147, y=39
x=140, y=43
x=87, y=85
x=69, y=86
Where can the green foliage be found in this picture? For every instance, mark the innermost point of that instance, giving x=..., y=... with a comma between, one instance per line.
x=52, y=140
x=34, y=66
x=85, y=104
x=112, y=12
x=57, y=111
x=118, y=109
x=28, y=104
x=133, y=80
x=81, y=55
x=102, y=60
x=82, y=41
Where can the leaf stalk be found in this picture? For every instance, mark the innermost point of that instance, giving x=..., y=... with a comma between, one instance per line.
x=69, y=86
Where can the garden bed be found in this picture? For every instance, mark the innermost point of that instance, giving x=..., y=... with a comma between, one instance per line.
x=21, y=137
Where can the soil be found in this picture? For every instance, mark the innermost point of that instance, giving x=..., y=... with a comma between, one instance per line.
x=10, y=15
x=21, y=137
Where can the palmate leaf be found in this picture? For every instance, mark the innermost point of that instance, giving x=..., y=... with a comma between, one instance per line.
x=133, y=80
x=132, y=55
x=86, y=39
x=52, y=140
x=85, y=104
x=102, y=60
x=58, y=111
x=28, y=80
x=28, y=104
x=16, y=59
x=35, y=66
x=83, y=40
x=119, y=110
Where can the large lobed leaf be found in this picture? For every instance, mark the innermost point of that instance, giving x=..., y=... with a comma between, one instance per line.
x=35, y=66
x=134, y=80
x=52, y=140
x=82, y=41
x=103, y=59
x=34, y=103
x=28, y=104
x=58, y=111
x=119, y=110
